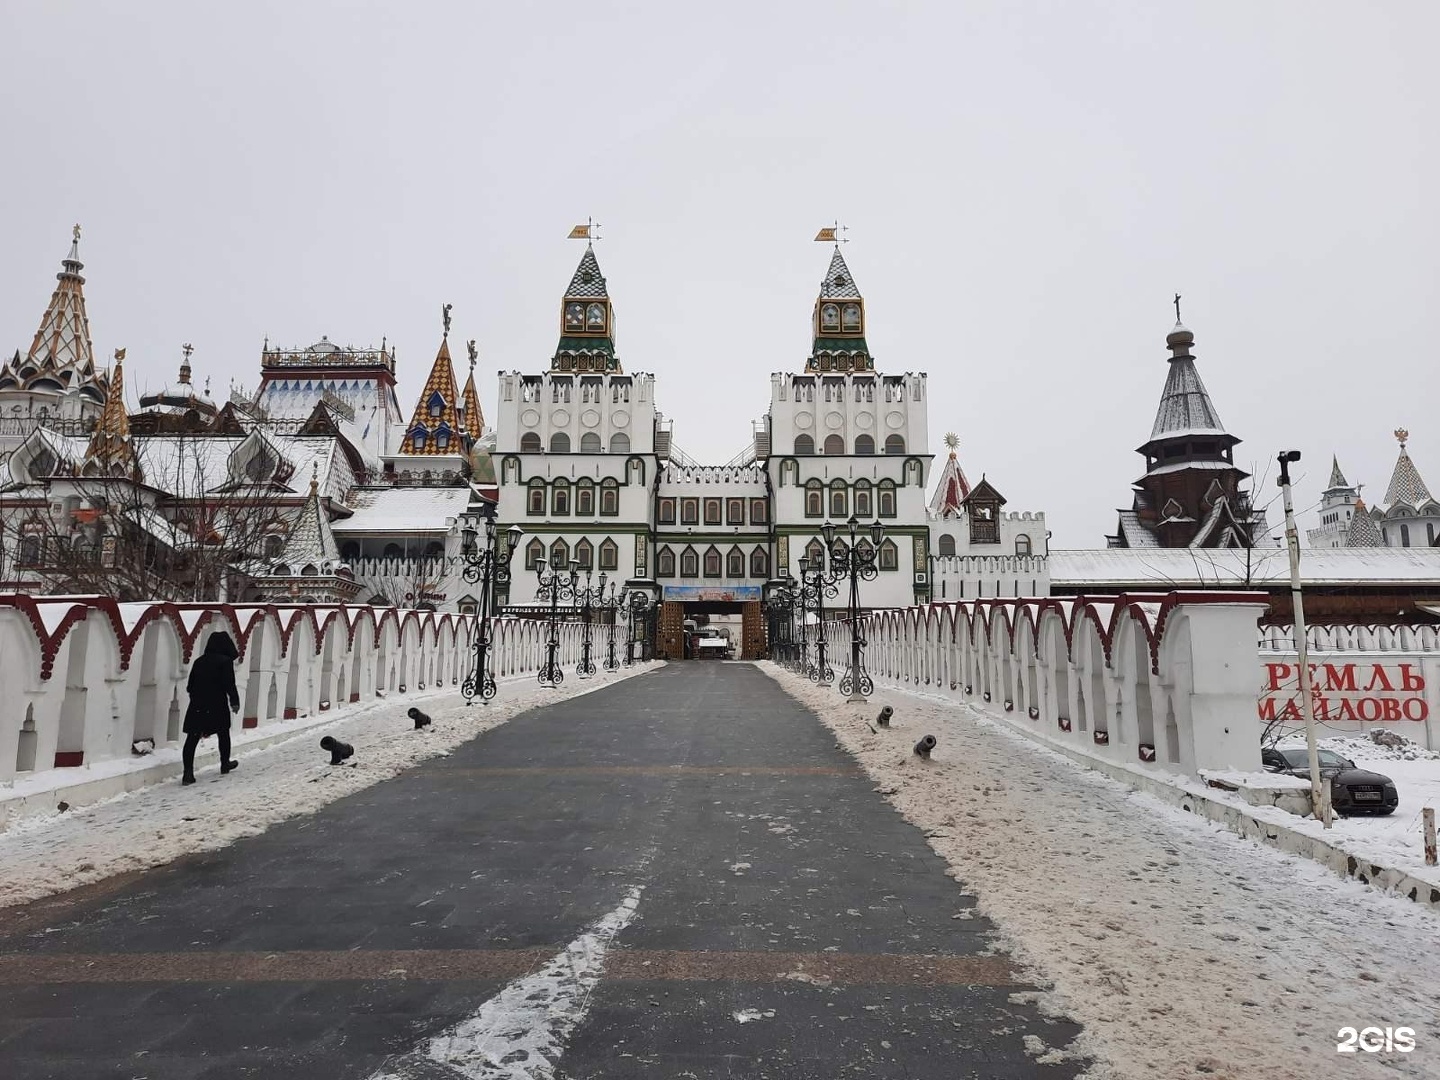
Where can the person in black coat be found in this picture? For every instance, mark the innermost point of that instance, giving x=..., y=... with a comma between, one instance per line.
x=213, y=698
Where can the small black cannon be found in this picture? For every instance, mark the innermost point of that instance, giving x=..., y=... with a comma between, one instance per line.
x=339, y=751
x=924, y=746
x=883, y=720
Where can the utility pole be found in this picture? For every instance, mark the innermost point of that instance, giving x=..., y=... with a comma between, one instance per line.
x=1319, y=791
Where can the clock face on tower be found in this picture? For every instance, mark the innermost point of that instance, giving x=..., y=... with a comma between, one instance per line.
x=829, y=317
x=852, y=317
x=595, y=317
x=574, y=316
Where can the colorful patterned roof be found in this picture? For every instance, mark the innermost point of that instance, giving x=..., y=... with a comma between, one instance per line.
x=110, y=451
x=1363, y=532
x=439, y=388
x=473, y=418
x=63, y=338
x=954, y=488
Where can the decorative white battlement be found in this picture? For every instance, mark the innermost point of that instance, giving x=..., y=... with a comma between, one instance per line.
x=86, y=677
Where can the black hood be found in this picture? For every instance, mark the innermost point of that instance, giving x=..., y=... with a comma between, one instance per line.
x=1360, y=776
x=220, y=644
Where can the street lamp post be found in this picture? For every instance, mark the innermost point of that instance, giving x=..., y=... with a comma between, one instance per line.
x=560, y=583
x=589, y=598
x=490, y=566
x=815, y=585
x=859, y=566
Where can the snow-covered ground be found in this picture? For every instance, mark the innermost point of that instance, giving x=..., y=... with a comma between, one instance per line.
x=153, y=825
x=1184, y=951
x=1398, y=840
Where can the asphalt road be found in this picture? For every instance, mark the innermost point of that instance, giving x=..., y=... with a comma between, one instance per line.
x=789, y=923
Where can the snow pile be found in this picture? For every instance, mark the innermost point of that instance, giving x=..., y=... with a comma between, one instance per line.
x=1379, y=745
x=1183, y=950
x=155, y=824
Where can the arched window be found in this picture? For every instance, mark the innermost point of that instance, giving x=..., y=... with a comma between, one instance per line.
x=434, y=550
x=436, y=404
x=864, y=444
x=609, y=498
x=759, y=563
x=560, y=498
x=947, y=545
x=533, y=551
x=834, y=445
x=609, y=555
x=392, y=551
x=894, y=444
x=1404, y=535
x=665, y=563
x=789, y=472
x=689, y=563
x=735, y=563
x=584, y=498
x=30, y=548
x=804, y=446
x=585, y=554
x=535, y=504
x=864, y=502
x=635, y=466
x=595, y=317
x=839, y=500
x=887, y=498
x=590, y=443
x=530, y=443
x=915, y=473
x=560, y=443
x=815, y=551
x=712, y=561
x=1022, y=544
x=850, y=318
x=830, y=317
x=560, y=555
x=619, y=443
x=889, y=555
x=814, y=499
x=418, y=438
x=442, y=440
x=275, y=544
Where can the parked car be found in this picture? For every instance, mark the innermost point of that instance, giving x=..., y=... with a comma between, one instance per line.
x=1353, y=790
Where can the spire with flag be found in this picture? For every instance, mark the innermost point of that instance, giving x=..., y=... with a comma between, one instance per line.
x=587, y=317
x=110, y=452
x=839, y=316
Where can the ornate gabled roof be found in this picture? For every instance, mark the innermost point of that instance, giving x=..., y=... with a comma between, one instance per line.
x=472, y=417
x=63, y=340
x=1185, y=405
x=1362, y=531
x=984, y=491
x=588, y=280
x=111, y=452
x=1337, y=478
x=953, y=489
x=839, y=283
x=437, y=411
x=1406, y=486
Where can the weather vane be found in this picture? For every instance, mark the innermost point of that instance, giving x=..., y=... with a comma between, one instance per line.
x=1177, y=309
x=589, y=231
x=76, y=232
x=832, y=233
x=474, y=353
x=445, y=317
x=187, y=349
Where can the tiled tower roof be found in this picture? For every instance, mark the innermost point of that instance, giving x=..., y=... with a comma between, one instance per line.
x=1337, y=478
x=587, y=322
x=839, y=282
x=311, y=542
x=1406, y=486
x=839, y=323
x=435, y=427
x=111, y=452
x=588, y=280
x=472, y=417
x=1185, y=404
x=1363, y=532
x=63, y=339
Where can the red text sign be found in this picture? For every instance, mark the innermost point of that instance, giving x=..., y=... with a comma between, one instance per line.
x=1362, y=692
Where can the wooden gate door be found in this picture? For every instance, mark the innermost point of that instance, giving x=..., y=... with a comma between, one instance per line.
x=672, y=630
x=752, y=631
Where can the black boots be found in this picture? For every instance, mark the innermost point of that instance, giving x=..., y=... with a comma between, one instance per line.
x=188, y=778
x=228, y=766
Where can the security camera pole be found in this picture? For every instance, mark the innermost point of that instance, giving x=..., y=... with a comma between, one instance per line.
x=1319, y=791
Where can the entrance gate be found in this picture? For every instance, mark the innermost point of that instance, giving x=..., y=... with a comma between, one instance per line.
x=673, y=613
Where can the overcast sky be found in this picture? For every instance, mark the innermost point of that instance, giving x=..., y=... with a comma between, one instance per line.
x=1026, y=185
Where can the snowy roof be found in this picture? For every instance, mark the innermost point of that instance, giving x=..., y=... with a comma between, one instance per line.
x=1136, y=534
x=404, y=510
x=1148, y=568
x=1337, y=478
x=839, y=282
x=1362, y=531
x=1185, y=405
x=588, y=281
x=311, y=542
